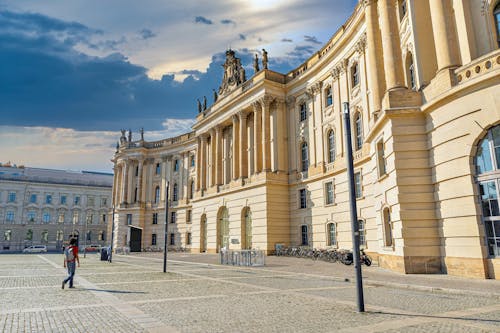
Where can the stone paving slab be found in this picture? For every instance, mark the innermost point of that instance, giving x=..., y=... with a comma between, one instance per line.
x=133, y=295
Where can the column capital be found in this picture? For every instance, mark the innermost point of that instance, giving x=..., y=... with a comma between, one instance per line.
x=290, y=101
x=314, y=89
x=367, y=3
x=335, y=73
x=266, y=100
x=203, y=137
x=242, y=114
x=256, y=106
x=361, y=44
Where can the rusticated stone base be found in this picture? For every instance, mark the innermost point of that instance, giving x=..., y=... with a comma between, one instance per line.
x=411, y=265
x=467, y=267
x=493, y=268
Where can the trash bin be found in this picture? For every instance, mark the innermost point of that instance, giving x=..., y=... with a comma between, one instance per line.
x=104, y=253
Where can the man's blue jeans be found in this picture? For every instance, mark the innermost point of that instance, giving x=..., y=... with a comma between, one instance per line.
x=71, y=273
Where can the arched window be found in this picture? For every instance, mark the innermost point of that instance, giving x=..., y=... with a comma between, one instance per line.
x=331, y=229
x=328, y=96
x=246, y=229
x=157, y=194
x=387, y=227
x=410, y=72
x=355, y=74
x=496, y=14
x=304, y=157
x=304, y=239
x=175, y=192
x=303, y=111
x=331, y=146
x=488, y=175
x=358, y=130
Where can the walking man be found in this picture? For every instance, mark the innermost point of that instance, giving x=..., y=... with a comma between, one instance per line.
x=70, y=257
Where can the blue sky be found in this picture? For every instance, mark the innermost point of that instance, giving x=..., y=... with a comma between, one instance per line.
x=73, y=73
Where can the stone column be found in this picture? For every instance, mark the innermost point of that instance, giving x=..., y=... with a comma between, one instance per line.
x=393, y=63
x=374, y=52
x=198, y=162
x=140, y=186
x=236, y=147
x=265, y=102
x=116, y=175
x=124, y=182
x=257, y=135
x=202, y=162
x=212, y=157
x=243, y=152
x=130, y=181
x=445, y=40
x=280, y=138
x=218, y=155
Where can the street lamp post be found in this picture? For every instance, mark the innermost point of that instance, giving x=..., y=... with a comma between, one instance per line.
x=112, y=234
x=354, y=214
x=85, y=239
x=165, y=250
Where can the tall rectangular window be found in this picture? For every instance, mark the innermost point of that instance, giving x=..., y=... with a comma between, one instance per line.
x=362, y=233
x=63, y=199
x=90, y=201
x=104, y=202
x=48, y=199
x=155, y=218
x=76, y=217
x=153, y=239
x=172, y=239
x=7, y=235
x=9, y=217
x=303, y=198
x=355, y=74
x=158, y=168
x=188, y=238
x=173, y=217
x=12, y=197
x=358, y=188
x=31, y=216
x=193, y=161
x=303, y=112
x=60, y=219
x=129, y=219
x=188, y=216
x=176, y=165
x=76, y=201
x=381, y=158
x=90, y=219
x=329, y=193
x=304, y=235
x=103, y=220
x=33, y=198
x=46, y=217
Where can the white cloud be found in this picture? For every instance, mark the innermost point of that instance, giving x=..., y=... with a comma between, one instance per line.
x=65, y=148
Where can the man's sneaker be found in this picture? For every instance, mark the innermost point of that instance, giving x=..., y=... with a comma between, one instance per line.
x=62, y=286
x=72, y=287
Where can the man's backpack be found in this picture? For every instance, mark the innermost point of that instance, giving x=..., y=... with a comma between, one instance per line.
x=70, y=256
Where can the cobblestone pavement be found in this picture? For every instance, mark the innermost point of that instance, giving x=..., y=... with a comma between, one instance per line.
x=132, y=294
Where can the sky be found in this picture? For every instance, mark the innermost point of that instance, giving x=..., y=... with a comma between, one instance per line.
x=75, y=72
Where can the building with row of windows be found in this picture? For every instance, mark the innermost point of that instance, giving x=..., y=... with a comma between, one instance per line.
x=45, y=207
x=266, y=163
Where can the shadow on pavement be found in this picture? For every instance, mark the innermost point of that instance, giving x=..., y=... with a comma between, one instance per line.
x=113, y=291
x=483, y=320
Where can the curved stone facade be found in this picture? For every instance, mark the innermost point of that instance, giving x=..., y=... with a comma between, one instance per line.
x=265, y=164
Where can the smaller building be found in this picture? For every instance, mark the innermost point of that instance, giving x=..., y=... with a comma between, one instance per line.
x=46, y=207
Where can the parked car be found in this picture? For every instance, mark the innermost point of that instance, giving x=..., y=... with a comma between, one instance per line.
x=35, y=249
x=92, y=248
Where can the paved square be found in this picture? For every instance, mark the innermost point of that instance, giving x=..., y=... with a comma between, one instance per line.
x=132, y=294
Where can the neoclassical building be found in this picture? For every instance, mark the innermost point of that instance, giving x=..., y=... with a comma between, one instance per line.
x=266, y=163
x=46, y=206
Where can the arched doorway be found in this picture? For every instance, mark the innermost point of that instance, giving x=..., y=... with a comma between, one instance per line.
x=222, y=228
x=246, y=229
x=203, y=233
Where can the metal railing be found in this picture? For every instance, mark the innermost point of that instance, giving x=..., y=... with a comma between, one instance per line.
x=242, y=257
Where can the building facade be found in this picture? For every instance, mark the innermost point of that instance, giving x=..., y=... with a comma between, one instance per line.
x=266, y=163
x=45, y=207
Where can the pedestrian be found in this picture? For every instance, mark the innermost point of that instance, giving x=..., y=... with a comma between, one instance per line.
x=70, y=259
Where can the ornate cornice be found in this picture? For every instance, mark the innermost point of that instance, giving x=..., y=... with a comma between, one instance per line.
x=290, y=101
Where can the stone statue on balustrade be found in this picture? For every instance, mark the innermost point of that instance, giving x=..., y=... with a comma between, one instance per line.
x=129, y=135
x=256, y=64
x=199, y=105
x=264, y=58
x=215, y=95
x=123, y=138
x=204, y=103
x=142, y=133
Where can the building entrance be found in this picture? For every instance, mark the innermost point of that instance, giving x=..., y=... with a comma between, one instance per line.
x=135, y=239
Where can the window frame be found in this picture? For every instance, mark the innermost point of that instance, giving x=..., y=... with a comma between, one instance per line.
x=381, y=158
x=302, y=111
x=304, y=235
x=358, y=130
x=326, y=193
x=12, y=196
x=302, y=198
x=355, y=79
x=328, y=96
x=331, y=151
x=304, y=156
x=331, y=241
x=154, y=218
x=358, y=193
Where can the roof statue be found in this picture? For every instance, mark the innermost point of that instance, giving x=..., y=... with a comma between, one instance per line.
x=264, y=58
x=215, y=95
x=256, y=64
x=204, y=103
x=234, y=73
x=123, y=138
x=199, y=105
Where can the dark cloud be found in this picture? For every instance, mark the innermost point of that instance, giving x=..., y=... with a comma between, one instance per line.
x=312, y=39
x=287, y=40
x=227, y=21
x=242, y=37
x=46, y=82
x=204, y=20
x=146, y=34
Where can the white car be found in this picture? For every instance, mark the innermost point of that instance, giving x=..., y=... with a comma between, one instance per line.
x=35, y=249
